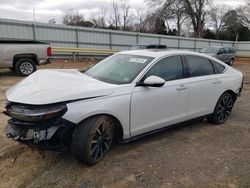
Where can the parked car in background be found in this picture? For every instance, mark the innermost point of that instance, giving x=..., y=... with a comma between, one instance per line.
x=147, y=46
x=225, y=54
x=23, y=56
x=126, y=96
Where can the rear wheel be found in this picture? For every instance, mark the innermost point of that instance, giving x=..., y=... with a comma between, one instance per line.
x=222, y=109
x=25, y=66
x=92, y=139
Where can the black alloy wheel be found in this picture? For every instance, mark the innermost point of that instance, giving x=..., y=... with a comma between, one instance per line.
x=92, y=139
x=223, y=109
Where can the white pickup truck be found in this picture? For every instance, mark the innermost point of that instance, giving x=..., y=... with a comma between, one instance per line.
x=23, y=56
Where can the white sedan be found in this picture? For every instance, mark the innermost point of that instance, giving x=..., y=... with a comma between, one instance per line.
x=123, y=97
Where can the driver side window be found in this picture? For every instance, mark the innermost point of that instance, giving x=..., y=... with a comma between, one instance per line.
x=169, y=68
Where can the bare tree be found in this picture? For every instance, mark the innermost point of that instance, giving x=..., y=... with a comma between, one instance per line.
x=140, y=19
x=74, y=18
x=171, y=11
x=100, y=20
x=217, y=15
x=151, y=22
x=179, y=11
x=195, y=9
x=116, y=17
x=233, y=22
x=244, y=14
x=126, y=14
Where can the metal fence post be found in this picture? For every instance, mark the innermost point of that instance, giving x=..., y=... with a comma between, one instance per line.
x=195, y=44
x=74, y=56
x=77, y=38
x=137, y=38
x=34, y=31
x=178, y=43
x=110, y=40
x=77, y=45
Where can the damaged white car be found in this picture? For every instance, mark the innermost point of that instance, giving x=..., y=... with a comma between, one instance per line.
x=123, y=97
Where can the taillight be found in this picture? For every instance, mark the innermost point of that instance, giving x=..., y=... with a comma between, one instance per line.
x=49, y=51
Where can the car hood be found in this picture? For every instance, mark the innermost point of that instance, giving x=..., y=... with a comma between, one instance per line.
x=52, y=86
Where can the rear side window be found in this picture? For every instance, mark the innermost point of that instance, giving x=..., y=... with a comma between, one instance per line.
x=218, y=68
x=199, y=66
x=169, y=68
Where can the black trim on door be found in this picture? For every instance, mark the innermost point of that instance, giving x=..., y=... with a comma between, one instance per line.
x=185, y=67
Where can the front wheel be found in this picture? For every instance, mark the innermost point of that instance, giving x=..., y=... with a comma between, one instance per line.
x=91, y=140
x=222, y=109
x=231, y=62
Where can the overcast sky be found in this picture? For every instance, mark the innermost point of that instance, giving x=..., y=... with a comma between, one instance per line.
x=48, y=9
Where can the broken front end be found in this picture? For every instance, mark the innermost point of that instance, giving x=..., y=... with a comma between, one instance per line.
x=40, y=125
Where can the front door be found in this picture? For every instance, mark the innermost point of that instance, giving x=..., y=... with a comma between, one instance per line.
x=153, y=108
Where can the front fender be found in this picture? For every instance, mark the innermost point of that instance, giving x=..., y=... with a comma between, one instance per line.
x=117, y=106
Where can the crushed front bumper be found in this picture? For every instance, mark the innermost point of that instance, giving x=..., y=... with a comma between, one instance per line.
x=49, y=135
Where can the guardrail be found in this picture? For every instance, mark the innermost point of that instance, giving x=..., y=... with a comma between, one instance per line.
x=86, y=51
x=243, y=55
x=100, y=52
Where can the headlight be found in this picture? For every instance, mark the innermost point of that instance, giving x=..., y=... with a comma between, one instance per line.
x=33, y=113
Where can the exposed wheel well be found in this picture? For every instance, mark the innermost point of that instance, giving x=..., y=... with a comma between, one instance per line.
x=118, y=127
x=231, y=93
x=20, y=56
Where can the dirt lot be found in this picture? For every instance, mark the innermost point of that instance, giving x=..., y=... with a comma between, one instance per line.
x=196, y=155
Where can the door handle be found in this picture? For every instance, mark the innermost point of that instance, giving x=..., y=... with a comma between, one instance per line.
x=217, y=81
x=182, y=87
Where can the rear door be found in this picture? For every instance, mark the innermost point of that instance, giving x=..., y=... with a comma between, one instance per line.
x=205, y=87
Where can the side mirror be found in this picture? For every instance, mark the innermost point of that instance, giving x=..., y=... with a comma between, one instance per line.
x=152, y=81
x=219, y=53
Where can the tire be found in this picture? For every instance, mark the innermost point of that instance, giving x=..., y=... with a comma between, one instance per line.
x=222, y=109
x=231, y=62
x=91, y=139
x=25, y=66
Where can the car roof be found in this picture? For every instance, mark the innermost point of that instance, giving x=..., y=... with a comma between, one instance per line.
x=156, y=53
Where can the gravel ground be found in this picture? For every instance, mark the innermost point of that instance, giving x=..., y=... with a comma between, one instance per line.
x=196, y=155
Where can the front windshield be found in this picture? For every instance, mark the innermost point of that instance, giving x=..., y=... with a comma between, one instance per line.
x=209, y=50
x=118, y=69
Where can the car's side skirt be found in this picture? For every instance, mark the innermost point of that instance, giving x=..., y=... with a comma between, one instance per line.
x=131, y=139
